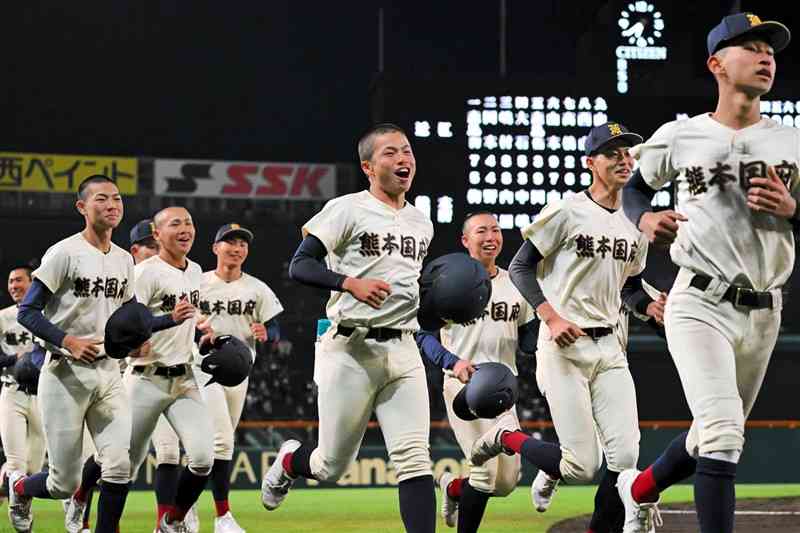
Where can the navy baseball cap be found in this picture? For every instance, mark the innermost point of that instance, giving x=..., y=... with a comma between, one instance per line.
x=127, y=329
x=233, y=230
x=605, y=133
x=733, y=26
x=141, y=231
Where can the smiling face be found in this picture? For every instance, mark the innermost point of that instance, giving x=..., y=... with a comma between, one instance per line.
x=101, y=205
x=174, y=231
x=231, y=252
x=747, y=65
x=392, y=166
x=612, y=164
x=482, y=238
x=19, y=280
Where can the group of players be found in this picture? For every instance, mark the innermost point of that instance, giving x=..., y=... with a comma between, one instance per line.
x=578, y=271
x=67, y=390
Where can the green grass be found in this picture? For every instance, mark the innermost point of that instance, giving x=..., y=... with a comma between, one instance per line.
x=366, y=510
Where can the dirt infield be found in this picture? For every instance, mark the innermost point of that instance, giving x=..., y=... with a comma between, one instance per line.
x=776, y=515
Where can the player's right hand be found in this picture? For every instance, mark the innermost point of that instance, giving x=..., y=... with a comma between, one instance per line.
x=372, y=292
x=183, y=311
x=463, y=370
x=85, y=350
x=661, y=228
x=564, y=332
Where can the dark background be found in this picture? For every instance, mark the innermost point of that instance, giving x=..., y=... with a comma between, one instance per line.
x=299, y=81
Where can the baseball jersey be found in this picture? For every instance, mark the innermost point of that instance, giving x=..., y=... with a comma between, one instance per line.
x=711, y=165
x=588, y=252
x=493, y=336
x=14, y=338
x=232, y=306
x=366, y=238
x=87, y=285
x=160, y=286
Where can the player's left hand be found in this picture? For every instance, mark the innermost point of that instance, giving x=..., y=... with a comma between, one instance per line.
x=656, y=308
x=259, y=331
x=770, y=195
x=208, y=335
x=463, y=370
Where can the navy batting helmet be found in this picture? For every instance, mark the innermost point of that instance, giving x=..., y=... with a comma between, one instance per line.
x=455, y=288
x=490, y=391
x=228, y=361
x=127, y=329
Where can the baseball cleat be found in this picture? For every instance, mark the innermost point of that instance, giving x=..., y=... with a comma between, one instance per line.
x=449, y=505
x=179, y=526
x=277, y=482
x=192, y=520
x=73, y=515
x=639, y=517
x=19, y=507
x=542, y=490
x=227, y=524
x=489, y=444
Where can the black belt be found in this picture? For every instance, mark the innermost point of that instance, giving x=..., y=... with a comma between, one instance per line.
x=738, y=296
x=596, y=333
x=28, y=388
x=166, y=371
x=54, y=356
x=378, y=334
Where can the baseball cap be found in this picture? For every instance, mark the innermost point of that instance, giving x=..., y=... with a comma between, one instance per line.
x=230, y=230
x=127, y=329
x=733, y=26
x=228, y=361
x=605, y=133
x=141, y=231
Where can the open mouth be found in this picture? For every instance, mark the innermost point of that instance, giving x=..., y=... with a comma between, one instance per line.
x=403, y=172
x=765, y=73
x=490, y=248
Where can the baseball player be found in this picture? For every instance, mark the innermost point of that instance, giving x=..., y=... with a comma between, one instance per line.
x=506, y=324
x=20, y=417
x=78, y=507
x=235, y=303
x=576, y=268
x=81, y=281
x=163, y=381
x=731, y=235
x=368, y=362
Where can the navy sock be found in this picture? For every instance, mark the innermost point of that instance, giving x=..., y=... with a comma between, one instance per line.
x=715, y=495
x=36, y=486
x=87, y=511
x=221, y=479
x=301, y=462
x=675, y=464
x=110, y=505
x=418, y=504
x=90, y=475
x=165, y=483
x=609, y=512
x=544, y=455
x=190, y=487
x=471, y=507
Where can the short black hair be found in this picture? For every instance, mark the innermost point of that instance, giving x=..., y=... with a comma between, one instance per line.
x=27, y=268
x=96, y=178
x=366, y=144
x=472, y=214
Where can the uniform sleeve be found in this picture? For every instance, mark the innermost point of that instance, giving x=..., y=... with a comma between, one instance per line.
x=549, y=229
x=54, y=269
x=143, y=285
x=333, y=225
x=655, y=156
x=268, y=306
x=130, y=289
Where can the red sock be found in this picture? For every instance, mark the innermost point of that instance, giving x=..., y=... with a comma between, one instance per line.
x=177, y=514
x=19, y=487
x=513, y=440
x=222, y=507
x=455, y=487
x=79, y=495
x=163, y=509
x=287, y=464
x=644, y=487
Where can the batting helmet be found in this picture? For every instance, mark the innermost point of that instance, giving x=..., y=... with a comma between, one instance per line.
x=228, y=361
x=490, y=391
x=127, y=329
x=455, y=288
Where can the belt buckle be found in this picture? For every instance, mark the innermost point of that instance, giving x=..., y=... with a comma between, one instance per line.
x=739, y=292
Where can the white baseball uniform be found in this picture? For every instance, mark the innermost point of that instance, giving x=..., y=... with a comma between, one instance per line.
x=588, y=253
x=357, y=375
x=493, y=337
x=163, y=381
x=20, y=417
x=88, y=286
x=722, y=350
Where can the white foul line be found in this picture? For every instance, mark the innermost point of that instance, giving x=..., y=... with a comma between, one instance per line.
x=742, y=513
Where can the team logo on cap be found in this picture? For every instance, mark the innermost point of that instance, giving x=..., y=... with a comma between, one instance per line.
x=754, y=20
x=614, y=129
x=235, y=226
